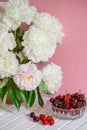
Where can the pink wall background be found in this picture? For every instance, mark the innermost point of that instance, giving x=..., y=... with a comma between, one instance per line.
x=72, y=55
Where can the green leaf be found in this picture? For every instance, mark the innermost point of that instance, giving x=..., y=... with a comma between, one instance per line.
x=26, y=60
x=16, y=33
x=18, y=38
x=18, y=47
x=3, y=92
x=19, y=60
x=43, y=88
x=26, y=93
x=40, y=100
x=5, y=98
x=4, y=82
x=31, y=99
x=22, y=95
x=21, y=34
x=13, y=96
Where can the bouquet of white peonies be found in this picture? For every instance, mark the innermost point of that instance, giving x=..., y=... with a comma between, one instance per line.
x=21, y=50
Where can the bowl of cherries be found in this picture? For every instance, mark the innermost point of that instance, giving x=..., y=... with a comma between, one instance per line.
x=68, y=106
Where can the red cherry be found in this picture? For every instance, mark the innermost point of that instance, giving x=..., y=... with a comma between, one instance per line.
x=49, y=118
x=36, y=119
x=51, y=121
x=45, y=122
x=55, y=104
x=52, y=100
x=69, y=96
x=81, y=98
x=71, y=109
x=60, y=97
x=65, y=106
x=67, y=100
x=42, y=117
x=76, y=94
x=32, y=114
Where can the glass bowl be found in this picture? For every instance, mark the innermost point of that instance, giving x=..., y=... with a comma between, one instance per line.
x=67, y=113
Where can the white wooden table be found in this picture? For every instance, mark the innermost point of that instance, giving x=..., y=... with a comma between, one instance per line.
x=10, y=119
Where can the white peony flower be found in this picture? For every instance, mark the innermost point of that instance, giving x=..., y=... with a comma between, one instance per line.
x=28, y=77
x=49, y=24
x=3, y=27
x=16, y=12
x=7, y=41
x=38, y=45
x=8, y=65
x=52, y=75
